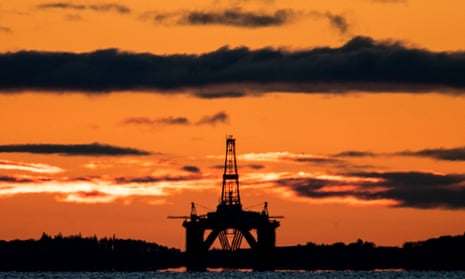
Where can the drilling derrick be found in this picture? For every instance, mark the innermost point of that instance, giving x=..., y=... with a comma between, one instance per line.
x=230, y=224
x=230, y=196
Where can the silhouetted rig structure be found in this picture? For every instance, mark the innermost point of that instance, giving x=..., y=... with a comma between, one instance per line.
x=230, y=223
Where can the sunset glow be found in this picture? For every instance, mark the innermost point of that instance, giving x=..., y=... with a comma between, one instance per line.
x=348, y=116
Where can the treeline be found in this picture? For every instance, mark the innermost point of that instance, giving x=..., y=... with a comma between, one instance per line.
x=77, y=253
x=443, y=253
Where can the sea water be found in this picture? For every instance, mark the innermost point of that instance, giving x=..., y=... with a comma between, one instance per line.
x=239, y=274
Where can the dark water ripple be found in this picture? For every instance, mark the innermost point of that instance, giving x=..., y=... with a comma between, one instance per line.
x=238, y=274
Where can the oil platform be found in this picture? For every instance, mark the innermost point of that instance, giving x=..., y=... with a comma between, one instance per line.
x=230, y=223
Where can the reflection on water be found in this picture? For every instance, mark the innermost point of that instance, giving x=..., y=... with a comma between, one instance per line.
x=220, y=273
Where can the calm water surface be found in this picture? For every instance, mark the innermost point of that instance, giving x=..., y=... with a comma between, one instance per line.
x=236, y=274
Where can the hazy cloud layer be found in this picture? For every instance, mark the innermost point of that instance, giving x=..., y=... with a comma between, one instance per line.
x=355, y=153
x=103, y=189
x=153, y=179
x=423, y=190
x=31, y=167
x=228, y=17
x=61, y=5
x=170, y=120
x=447, y=154
x=405, y=189
x=107, y=7
x=73, y=17
x=362, y=64
x=287, y=157
x=219, y=117
x=5, y=29
x=94, y=149
x=243, y=166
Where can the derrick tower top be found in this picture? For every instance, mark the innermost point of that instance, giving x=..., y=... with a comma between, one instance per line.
x=230, y=190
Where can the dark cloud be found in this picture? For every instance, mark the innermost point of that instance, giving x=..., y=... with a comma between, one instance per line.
x=144, y=179
x=99, y=8
x=250, y=166
x=110, y=7
x=423, y=190
x=307, y=158
x=94, y=149
x=255, y=166
x=447, y=154
x=5, y=29
x=174, y=121
x=409, y=189
x=220, y=117
x=219, y=94
x=170, y=120
x=138, y=121
x=355, y=153
x=154, y=179
x=310, y=187
x=339, y=22
x=362, y=64
x=228, y=17
x=234, y=17
x=61, y=5
x=390, y=1
x=15, y=179
x=192, y=169
x=316, y=160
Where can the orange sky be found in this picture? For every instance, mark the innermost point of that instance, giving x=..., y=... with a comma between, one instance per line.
x=292, y=145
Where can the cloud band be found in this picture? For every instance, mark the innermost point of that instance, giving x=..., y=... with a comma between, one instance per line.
x=362, y=64
x=94, y=149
